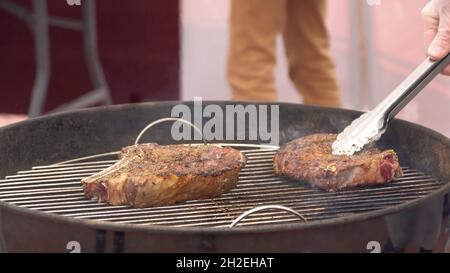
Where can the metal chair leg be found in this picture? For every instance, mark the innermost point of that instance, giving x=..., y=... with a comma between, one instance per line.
x=39, y=21
x=91, y=51
x=42, y=47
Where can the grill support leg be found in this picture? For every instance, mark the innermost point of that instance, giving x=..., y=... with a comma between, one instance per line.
x=389, y=248
x=2, y=240
x=100, y=241
x=119, y=242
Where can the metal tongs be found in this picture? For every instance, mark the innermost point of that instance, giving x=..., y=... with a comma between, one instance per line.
x=369, y=127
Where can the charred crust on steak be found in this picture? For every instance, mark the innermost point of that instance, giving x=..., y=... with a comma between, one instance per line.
x=310, y=159
x=183, y=160
x=151, y=174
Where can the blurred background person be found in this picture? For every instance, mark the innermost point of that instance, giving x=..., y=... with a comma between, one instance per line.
x=254, y=26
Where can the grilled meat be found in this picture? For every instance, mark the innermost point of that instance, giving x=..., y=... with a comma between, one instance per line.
x=152, y=175
x=310, y=159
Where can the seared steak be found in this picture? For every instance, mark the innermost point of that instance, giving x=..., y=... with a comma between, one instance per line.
x=310, y=159
x=152, y=175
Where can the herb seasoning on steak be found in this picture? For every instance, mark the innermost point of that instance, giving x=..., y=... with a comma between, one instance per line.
x=154, y=175
x=310, y=159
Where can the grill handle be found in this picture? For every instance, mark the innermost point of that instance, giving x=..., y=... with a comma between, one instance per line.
x=268, y=207
x=165, y=120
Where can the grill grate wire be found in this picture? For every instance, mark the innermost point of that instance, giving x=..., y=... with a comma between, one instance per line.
x=56, y=189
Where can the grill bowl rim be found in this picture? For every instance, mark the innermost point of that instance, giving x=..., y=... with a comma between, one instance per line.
x=277, y=227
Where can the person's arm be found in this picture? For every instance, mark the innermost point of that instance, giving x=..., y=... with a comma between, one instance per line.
x=436, y=18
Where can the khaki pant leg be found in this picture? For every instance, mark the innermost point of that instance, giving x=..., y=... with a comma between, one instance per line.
x=311, y=66
x=254, y=25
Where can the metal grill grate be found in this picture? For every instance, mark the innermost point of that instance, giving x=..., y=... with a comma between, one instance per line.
x=56, y=189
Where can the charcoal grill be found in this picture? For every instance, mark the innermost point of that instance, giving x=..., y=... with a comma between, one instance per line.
x=43, y=206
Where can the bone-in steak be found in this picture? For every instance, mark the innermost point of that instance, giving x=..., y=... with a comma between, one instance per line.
x=310, y=159
x=154, y=175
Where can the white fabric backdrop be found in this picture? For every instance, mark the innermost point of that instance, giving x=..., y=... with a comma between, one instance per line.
x=398, y=48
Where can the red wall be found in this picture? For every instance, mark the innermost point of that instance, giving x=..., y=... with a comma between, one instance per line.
x=139, y=49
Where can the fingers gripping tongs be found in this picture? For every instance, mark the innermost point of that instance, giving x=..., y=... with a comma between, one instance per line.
x=369, y=127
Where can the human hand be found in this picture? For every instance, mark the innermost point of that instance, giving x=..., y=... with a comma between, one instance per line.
x=436, y=18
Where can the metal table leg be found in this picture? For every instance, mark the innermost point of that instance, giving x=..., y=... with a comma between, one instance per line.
x=39, y=22
x=42, y=47
x=91, y=51
x=101, y=93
